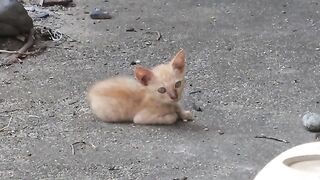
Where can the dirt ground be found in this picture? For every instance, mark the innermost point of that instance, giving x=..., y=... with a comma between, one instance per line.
x=253, y=68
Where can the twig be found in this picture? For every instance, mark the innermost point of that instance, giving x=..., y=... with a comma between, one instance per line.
x=272, y=138
x=9, y=111
x=82, y=142
x=195, y=92
x=72, y=146
x=2, y=129
x=9, y=52
x=23, y=53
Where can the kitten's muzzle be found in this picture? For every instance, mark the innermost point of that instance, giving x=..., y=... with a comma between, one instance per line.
x=173, y=95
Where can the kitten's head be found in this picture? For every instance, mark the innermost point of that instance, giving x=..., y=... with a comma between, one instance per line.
x=166, y=81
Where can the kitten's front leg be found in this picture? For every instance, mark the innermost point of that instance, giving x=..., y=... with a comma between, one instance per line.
x=184, y=115
x=145, y=117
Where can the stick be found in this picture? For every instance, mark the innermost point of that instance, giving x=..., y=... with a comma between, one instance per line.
x=8, y=111
x=15, y=57
x=2, y=129
x=21, y=53
x=72, y=146
x=194, y=92
x=272, y=138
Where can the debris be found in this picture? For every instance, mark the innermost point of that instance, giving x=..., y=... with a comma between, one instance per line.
x=196, y=107
x=112, y=168
x=5, y=127
x=43, y=15
x=148, y=43
x=22, y=21
x=23, y=24
x=12, y=110
x=183, y=178
x=220, y=132
x=311, y=121
x=80, y=142
x=73, y=102
x=135, y=62
x=159, y=36
x=72, y=146
x=49, y=34
x=130, y=29
x=30, y=8
x=195, y=92
x=271, y=138
x=98, y=13
x=54, y=2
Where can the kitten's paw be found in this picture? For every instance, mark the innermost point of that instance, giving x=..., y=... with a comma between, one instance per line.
x=186, y=116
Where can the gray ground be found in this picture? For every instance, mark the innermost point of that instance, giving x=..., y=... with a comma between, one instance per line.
x=256, y=63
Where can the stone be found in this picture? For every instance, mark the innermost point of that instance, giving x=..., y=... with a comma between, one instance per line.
x=14, y=19
x=43, y=15
x=130, y=29
x=98, y=13
x=311, y=121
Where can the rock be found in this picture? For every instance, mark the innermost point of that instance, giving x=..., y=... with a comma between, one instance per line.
x=206, y=129
x=30, y=8
x=311, y=121
x=54, y=2
x=43, y=15
x=130, y=29
x=135, y=62
x=14, y=19
x=196, y=107
x=220, y=132
x=148, y=43
x=98, y=13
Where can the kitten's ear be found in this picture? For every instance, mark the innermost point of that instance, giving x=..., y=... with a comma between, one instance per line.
x=143, y=75
x=178, y=62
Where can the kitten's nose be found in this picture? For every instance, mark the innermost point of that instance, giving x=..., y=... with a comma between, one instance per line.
x=173, y=95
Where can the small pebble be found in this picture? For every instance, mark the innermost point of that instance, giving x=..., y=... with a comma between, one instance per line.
x=43, y=15
x=130, y=29
x=220, y=132
x=196, y=107
x=135, y=62
x=30, y=8
x=206, y=129
x=98, y=13
x=311, y=121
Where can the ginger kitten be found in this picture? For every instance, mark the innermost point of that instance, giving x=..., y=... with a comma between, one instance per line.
x=151, y=98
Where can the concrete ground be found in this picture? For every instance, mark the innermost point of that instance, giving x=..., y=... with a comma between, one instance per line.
x=255, y=63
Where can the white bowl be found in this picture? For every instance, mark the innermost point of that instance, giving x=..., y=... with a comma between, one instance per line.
x=298, y=163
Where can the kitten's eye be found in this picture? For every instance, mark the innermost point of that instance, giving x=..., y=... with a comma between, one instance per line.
x=162, y=90
x=178, y=84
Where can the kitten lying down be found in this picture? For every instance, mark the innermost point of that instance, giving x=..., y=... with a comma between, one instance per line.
x=151, y=98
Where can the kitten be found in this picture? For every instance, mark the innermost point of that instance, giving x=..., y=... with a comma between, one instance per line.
x=151, y=98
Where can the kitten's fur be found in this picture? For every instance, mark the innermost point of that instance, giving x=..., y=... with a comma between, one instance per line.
x=143, y=101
